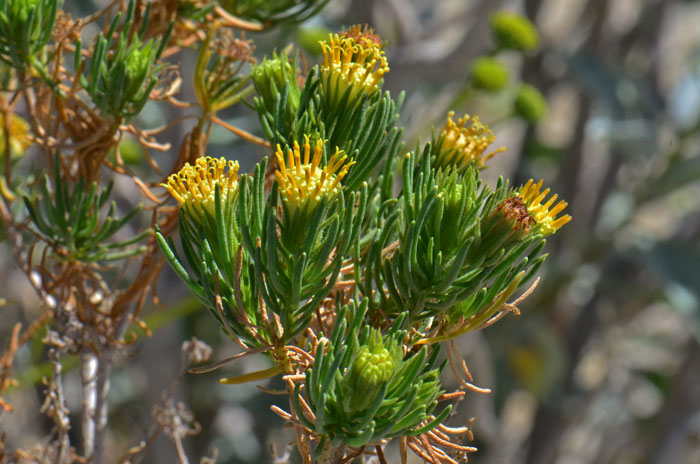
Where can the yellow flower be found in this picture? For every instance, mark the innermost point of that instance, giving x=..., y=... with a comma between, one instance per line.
x=463, y=143
x=352, y=60
x=194, y=186
x=514, y=210
x=20, y=139
x=302, y=182
x=545, y=218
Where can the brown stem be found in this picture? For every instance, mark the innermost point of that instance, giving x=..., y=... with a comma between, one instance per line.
x=241, y=133
x=238, y=22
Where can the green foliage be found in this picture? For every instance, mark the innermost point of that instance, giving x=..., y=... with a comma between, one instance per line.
x=25, y=30
x=70, y=221
x=219, y=269
x=217, y=82
x=324, y=244
x=353, y=409
x=274, y=11
x=368, y=133
x=455, y=251
x=297, y=258
x=122, y=74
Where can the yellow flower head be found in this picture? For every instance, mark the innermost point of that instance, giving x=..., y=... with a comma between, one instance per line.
x=194, y=186
x=515, y=211
x=20, y=138
x=464, y=142
x=301, y=179
x=353, y=59
x=545, y=218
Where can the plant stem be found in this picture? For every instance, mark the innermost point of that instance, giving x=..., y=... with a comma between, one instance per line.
x=88, y=373
x=104, y=367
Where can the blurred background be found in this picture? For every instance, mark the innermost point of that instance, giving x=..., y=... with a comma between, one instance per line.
x=603, y=363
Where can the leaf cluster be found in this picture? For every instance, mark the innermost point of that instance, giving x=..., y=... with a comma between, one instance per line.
x=401, y=406
x=452, y=246
x=70, y=222
x=25, y=29
x=217, y=80
x=122, y=73
x=220, y=269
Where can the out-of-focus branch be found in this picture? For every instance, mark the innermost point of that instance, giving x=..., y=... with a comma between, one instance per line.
x=88, y=374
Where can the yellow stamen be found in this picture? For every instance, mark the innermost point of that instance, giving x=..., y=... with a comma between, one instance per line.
x=353, y=59
x=545, y=218
x=460, y=144
x=194, y=185
x=303, y=184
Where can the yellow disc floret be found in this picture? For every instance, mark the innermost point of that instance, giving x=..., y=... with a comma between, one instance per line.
x=301, y=179
x=545, y=218
x=464, y=142
x=194, y=186
x=352, y=60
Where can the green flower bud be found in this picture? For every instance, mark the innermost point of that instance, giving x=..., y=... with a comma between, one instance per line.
x=309, y=38
x=514, y=31
x=270, y=77
x=488, y=74
x=373, y=366
x=456, y=199
x=137, y=64
x=530, y=104
x=130, y=151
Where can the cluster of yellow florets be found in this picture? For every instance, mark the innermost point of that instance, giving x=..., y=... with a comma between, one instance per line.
x=301, y=179
x=464, y=142
x=353, y=59
x=194, y=186
x=545, y=218
x=20, y=138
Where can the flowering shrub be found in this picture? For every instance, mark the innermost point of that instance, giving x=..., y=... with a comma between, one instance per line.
x=345, y=258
